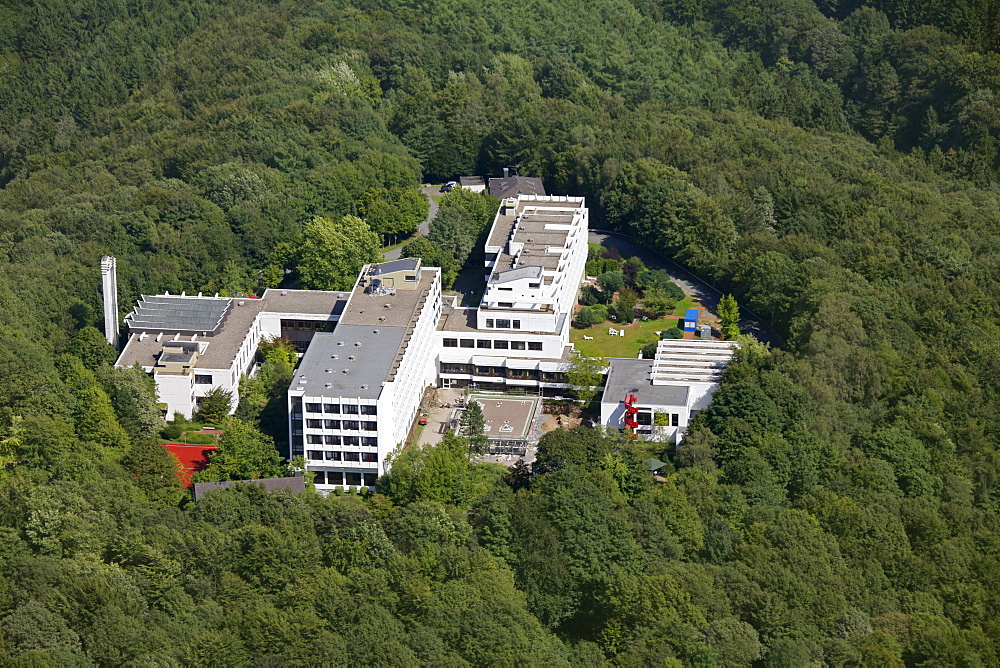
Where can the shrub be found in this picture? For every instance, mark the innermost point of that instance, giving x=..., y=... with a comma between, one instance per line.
x=352, y=490
x=649, y=350
x=611, y=282
x=199, y=439
x=363, y=491
x=584, y=318
x=338, y=491
x=171, y=432
x=600, y=313
x=672, y=333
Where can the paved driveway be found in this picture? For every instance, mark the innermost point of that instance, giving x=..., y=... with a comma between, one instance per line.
x=704, y=292
x=424, y=228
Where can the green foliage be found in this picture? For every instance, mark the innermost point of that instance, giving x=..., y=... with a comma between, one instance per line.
x=441, y=473
x=473, y=424
x=625, y=305
x=215, y=405
x=729, y=315
x=244, y=453
x=658, y=302
x=332, y=252
x=584, y=376
x=611, y=282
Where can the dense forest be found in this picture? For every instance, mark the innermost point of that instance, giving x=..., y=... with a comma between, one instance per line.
x=832, y=164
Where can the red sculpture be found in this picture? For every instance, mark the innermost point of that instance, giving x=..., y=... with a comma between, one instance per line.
x=630, y=411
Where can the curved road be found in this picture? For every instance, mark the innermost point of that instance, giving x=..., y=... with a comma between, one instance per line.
x=704, y=292
x=424, y=228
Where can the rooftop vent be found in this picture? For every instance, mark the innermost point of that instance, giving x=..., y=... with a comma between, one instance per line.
x=381, y=318
x=364, y=387
x=357, y=344
x=352, y=358
x=328, y=385
x=334, y=357
x=340, y=343
x=388, y=305
x=347, y=371
x=241, y=303
x=284, y=293
x=376, y=331
x=143, y=335
x=329, y=370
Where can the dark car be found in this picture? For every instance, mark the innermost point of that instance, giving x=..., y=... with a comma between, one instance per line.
x=448, y=187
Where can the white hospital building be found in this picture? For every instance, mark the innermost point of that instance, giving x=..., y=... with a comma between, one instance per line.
x=371, y=352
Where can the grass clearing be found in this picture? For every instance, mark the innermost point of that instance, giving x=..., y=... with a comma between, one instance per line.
x=603, y=345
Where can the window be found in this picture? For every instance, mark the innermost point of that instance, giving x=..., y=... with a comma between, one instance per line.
x=314, y=424
x=352, y=440
x=644, y=418
x=331, y=424
x=500, y=345
x=349, y=409
x=369, y=456
x=352, y=457
x=517, y=324
x=483, y=343
x=674, y=420
x=451, y=343
x=370, y=479
x=505, y=304
x=331, y=408
x=503, y=324
x=534, y=345
x=369, y=441
x=466, y=343
x=332, y=440
x=333, y=456
x=314, y=439
x=334, y=478
x=517, y=345
x=315, y=454
x=369, y=426
x=319, y=477
x=353, y=479
x=534, y=285
x=506, y=289
x=409, y=278
x=314, y=408
x=200, y=379
x=489, y=322
x=351, y=425
x=369, y=410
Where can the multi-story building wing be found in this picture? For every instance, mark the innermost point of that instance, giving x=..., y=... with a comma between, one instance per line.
x=357, y=390
x=192, y=344
x=518, y=337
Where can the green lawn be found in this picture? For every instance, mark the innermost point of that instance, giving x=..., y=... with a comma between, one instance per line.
x=618, y=346
x=683, y=305
x=635, y=338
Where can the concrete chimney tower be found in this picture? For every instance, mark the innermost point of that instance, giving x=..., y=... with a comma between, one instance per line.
x=109, y=277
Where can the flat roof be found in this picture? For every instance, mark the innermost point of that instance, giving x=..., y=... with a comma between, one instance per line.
x=328, y=370
x=632, y=376
x=403, y=264
x=506, y=417
x=179, y=313
x=387, y=309
x=224, y=345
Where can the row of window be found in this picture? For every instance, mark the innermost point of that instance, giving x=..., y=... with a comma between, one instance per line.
x=502, y=323
x=203, y=379
x=349, y=425
x=495, y=345
x=646, y=419
x=503, y=372
x=337, y=456
x=365, y=441
x=346, y=409
x=344, y=478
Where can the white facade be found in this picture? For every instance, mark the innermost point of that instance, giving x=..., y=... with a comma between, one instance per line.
x=679, y=382
x=192, y=344
x=517, y=339
x=357, y=390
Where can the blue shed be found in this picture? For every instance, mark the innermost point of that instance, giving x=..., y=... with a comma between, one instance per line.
x=690, y=320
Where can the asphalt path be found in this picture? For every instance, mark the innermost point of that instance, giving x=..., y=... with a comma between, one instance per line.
x=424, y=228
x=704, y=292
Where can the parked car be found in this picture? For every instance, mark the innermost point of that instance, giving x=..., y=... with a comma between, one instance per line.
x=448, y=187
